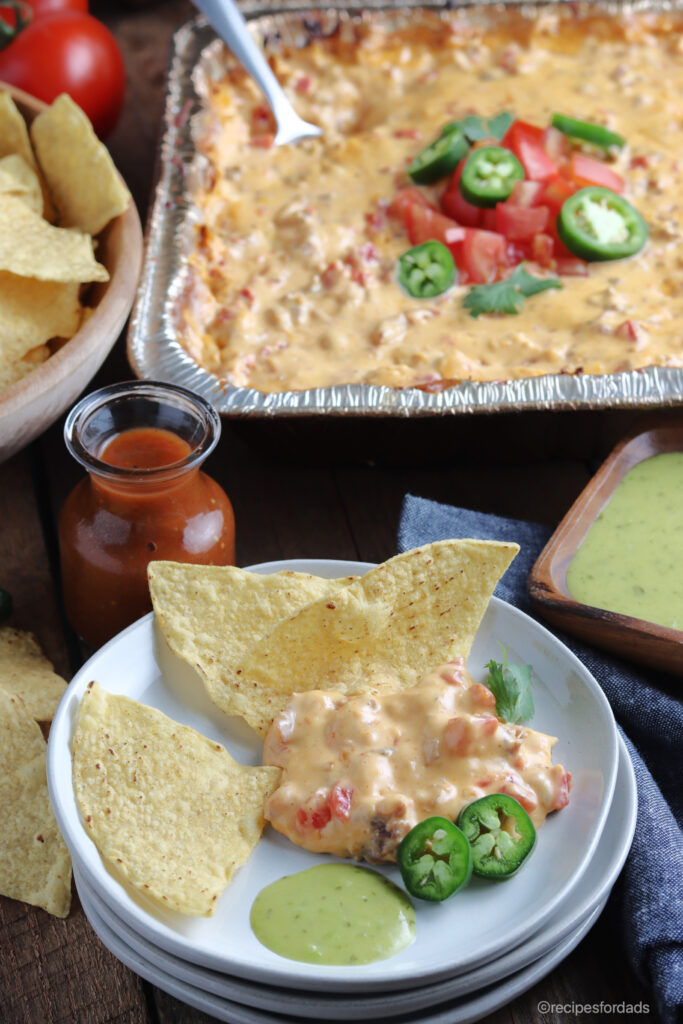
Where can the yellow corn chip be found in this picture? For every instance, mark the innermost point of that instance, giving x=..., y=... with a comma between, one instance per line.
x=14, y=137
x=32, y=312
x=30, y=247
x=14, y=140
x=26, y=672
x=34, y=862
x=20, y=180
x=83, y=181
x=166, y=807
x=15, y=371
x=212, y=615
x=382, y=633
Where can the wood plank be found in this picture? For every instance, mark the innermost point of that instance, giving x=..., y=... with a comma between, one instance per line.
x=50, y=970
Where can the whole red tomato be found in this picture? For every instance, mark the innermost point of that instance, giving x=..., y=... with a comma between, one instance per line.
x=32, y=9
x=41, y=7
x=72, y=52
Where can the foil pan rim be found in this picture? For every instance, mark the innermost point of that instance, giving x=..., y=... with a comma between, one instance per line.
x=155, y=353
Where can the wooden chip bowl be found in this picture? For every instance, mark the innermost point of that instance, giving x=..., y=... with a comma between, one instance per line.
x=30, y=406
x=634, y=639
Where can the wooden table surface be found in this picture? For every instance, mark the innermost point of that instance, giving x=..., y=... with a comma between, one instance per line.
x=291, y=500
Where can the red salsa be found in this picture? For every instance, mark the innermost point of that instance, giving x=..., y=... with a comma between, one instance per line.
x=154, y=503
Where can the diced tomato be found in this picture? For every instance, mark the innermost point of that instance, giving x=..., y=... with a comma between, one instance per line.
x=543, y=250
x=482, y=696
x=456, y=206
x=520, y=223
x=585, y=170
x=320, y=817
x=526, y=142
x=456, y=736
x=522, y=792
x=484, y=725
x=404, y=199
x=489, y=219
x=339, y=801
x=555, y=192
x=517, y=127
x=483, y=254
x=563, y=785
x=629, y=330
x=426, y=224
x=517, y=252
x=556, y=144
x=422, y=221
x=525, y=193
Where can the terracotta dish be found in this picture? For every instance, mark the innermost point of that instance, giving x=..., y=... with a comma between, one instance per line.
x=645, y=642
x=30, y=406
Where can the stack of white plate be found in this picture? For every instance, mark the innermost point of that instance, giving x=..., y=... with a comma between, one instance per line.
x=471, y=955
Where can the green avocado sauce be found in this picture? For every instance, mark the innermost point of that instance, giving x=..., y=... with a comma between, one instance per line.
x=334, y=914
x=630, y=561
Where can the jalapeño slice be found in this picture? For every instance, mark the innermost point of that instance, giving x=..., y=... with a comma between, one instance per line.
x=426, y=270
x=597, y=224
x=435, y=860
x=440, y=158
x=501, y=834
x=490, y=175
x=596, y=134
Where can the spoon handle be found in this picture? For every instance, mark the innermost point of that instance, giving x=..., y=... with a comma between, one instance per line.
x=227, y=20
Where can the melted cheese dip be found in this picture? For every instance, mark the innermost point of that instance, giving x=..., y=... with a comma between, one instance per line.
x=359, y=772
x=292, y=280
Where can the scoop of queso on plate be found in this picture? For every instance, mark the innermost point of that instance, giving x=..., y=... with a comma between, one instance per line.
x=360, y=771
x=339, y=678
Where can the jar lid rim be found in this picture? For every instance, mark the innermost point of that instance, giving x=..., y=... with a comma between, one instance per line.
x=157, y=391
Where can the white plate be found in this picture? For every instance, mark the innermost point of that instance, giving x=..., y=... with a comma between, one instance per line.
x=484, y=921
x=592, y=891
x=461, y=1011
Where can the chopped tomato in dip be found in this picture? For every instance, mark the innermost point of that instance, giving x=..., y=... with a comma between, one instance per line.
x=359, y=772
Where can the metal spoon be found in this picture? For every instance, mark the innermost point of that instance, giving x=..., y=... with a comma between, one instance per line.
x=226, y=19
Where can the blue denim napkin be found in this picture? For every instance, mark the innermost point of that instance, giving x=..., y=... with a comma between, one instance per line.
x=650, y=891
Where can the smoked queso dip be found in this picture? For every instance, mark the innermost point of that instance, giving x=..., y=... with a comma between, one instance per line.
x=360, y=771
x=291, y=278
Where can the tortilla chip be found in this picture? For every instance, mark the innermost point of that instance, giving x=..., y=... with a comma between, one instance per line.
x=381, y=634
x=26, y=672
x=21, y=181
x=212, y=615
x=83, y=181
x=30, y=247
x=32, y=312
x=10, y=373
x=14, y=140
x=34, y=861
x=166, y=807
x=14, y=137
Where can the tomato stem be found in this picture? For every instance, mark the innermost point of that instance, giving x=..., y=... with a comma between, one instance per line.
x=23, y=15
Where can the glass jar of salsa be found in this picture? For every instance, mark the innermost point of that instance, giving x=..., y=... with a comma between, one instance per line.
x=144, y=498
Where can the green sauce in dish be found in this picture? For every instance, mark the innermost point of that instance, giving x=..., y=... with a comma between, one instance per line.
x=631, y=559
x=334, y=914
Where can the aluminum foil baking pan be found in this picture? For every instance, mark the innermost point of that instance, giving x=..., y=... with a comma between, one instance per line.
x=154, y=351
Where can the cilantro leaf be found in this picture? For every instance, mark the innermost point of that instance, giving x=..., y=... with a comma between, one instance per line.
x=477, y=128
x=507, y=296
x=528, y=284
x=501, y=297
x=511, y=686
x=499, y=124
